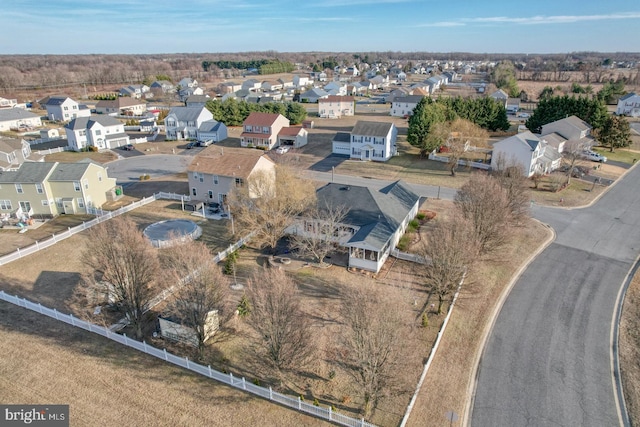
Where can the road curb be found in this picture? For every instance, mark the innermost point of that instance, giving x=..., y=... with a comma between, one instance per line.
x=471, y=392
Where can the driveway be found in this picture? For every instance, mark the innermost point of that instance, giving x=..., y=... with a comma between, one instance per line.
x=548, y=360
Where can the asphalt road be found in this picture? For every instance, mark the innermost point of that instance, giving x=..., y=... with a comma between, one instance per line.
x=549, y=360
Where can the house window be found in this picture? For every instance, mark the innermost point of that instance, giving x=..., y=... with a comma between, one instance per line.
x=86, y=184
x=195, y=175
x=45, y=202
x=25, y=206
x=59, y=202
x=99, y=176
x=80, y=202
x=19, y=189
x=201, y=177
x=193, y=191
x=239, y=182
x=76, y=186
x=39, y=188
x=265, y=130
x=66, y=108
x=210, y=194
x=215, y=179
x=5, y=205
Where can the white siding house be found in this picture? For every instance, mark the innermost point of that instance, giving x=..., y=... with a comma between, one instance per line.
x=369, y=141
x=184, y=122
x=102, y=132
x=629, y=105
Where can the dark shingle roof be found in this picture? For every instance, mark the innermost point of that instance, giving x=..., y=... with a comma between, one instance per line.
x=377, y=213
x=29, y=172
x=69, y=171
x=365, y=128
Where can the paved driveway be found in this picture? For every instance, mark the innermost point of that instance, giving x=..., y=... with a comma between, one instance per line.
x=548, y=361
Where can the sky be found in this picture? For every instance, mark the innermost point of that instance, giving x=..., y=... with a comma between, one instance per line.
x=210, y=26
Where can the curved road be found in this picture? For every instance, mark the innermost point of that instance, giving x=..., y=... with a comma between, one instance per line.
x=549, y=360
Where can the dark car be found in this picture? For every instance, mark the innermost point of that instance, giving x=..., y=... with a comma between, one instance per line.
x=128, y=147
x=192, y=144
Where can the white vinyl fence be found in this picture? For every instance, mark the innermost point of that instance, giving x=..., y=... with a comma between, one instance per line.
x=461, y=162
x=237, y=382
x=53, y=150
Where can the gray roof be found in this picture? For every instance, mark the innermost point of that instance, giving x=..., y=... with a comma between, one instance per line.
x=365, y=128
x=197, y=99
x=342, y=137
x=187, y=114
x=411, y=99
x=210, y=126
x=56, y=100
x=314, y=92
x=7, y=114
x=627, y=96
x=69, y=171
x=9, y=145
x=377, y=213
x=28, y=173
x=87, y=122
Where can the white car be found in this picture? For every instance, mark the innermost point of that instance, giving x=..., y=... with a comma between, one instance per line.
x=524, y=115
x=282, y=149
x=594, y=157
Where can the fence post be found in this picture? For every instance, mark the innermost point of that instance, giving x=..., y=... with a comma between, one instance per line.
x=37, y=245
x=270, y=393
x=19, y=255
x=187, y=359
x=72, y=322
x=231, y=378
x=165, y=354
x=40, y=307
x=210, y=374
x=54, y=238
x=244, y=385
x=126, y=340
x=299, y=403
x=55, y=312
x=144, y=345
x=329, y=412
x=84, y=226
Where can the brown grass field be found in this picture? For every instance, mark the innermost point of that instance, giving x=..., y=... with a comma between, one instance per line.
x=629, y=350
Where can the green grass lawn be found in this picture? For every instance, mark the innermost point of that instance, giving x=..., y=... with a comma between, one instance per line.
x=619, y=155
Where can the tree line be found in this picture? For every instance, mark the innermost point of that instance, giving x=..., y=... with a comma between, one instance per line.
x=232, y=112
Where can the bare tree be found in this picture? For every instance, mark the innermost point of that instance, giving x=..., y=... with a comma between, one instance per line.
x=457, y=136
x=200, y=301
x=285, y=339
x=573, y=155
x=449, y=250
x=371, y=346
x=267, y=205
x=320, y=231
x=128, y=266
x=514, y=183
x=484, y=202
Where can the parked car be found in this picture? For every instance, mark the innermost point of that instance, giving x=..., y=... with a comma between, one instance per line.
x=594, y=157
x=205, y=143
x=282, y=149
x=577, y=172
x=524, y=115
x=192, y=144
x=128, y=147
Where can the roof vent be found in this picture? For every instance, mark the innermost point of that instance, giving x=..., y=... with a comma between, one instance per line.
x=345, y=188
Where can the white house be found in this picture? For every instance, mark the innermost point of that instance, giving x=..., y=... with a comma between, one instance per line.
x=629, y=105
x=570, y=128
x=122, y=105
x=212, y=130
x=293, y=136
x=532, y=153
x=372, y=227
x=301, y=81
x=336, y=88
x=404, y=105
x=313, y=95
x=184, y=122
x=15, y=118
x=368, y=141
x=334, y=107
x=135, y=91
x=63, y=108
x=500, y=96
x=102, y=132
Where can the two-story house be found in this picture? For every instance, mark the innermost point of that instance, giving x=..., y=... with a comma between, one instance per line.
x=403, y=106
x=528, y=151
x=14, y=152
x=368, y=141
x=571, y=128
x=47, y=189
x=216, y=171
x=16, y=118
x=629, y=105
x=63, y=108
x=102, y=132
x=135, y=91
x=161, y=87
x=183, y=122
x=262, y=129
x=123, y=106
x=373, y=225
x=334, y=107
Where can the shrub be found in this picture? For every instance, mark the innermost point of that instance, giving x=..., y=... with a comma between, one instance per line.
x=421, y=216
x=403, y=244
x=244, y=308
x=257, y=382
x=315, y=402
x=414, y=224
x=425, y=320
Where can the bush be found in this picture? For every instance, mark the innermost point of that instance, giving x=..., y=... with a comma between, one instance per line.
x=425, y=320
x=315, y=402
x=244, y=308
x=421, y=216
x=414, y=224
x=403, y=244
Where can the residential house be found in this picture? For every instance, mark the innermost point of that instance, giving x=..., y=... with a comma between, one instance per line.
x=187, y=82
x=229, y=87
x=174, y=327
x=47, y=189
x=262, y=129
x=368, y=141
x=513, y=105
x=8, y=103
x=571, y=128
x=63, y=108
x=183, y=122
x=500, y=96
x=293, y=136
x=334, y=107
x=300, y=81
x=16, y=118
x=135, y=91
x=102, y=132
x=531, y=152
x=629, y=105
x=251, y=85
x=271, y=85
x=378, y=81
x=160, y=88
x=401, y=77
x=216, y=171
x=185, y=93
x=313, y=95
x=286, y=84
x=14, y=152
x=212, y=130
x=336, y=88
x=121, y=106
x=404, y=106
x=373, y=225
x=196, y=100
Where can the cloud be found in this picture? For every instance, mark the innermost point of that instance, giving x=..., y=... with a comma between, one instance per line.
x=536, y=20
x=347, y=3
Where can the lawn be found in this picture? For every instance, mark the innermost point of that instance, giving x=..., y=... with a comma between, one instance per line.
x=73, y=156
x=619, y=155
